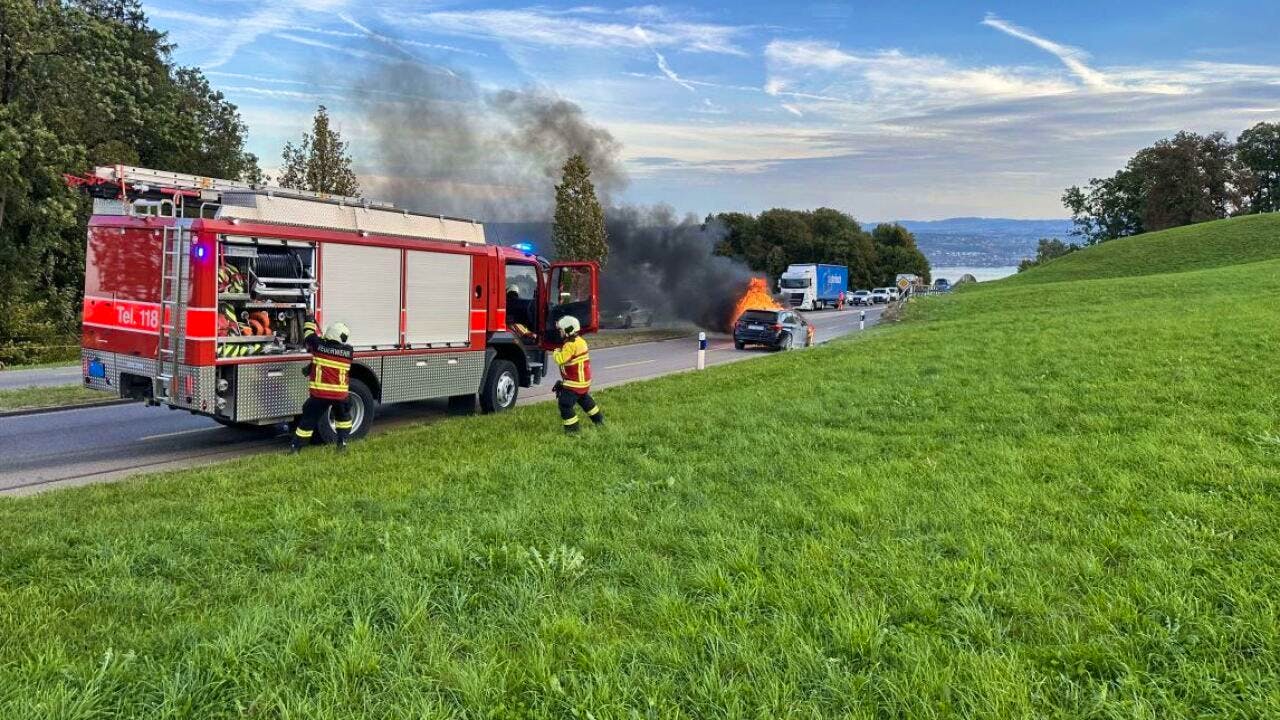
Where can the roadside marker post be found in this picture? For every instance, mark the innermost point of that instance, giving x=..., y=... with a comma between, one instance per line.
x=862, y=320
x=702, y=351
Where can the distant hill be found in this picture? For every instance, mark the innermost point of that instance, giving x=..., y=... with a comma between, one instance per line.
x=966, y=241
x=982, y=242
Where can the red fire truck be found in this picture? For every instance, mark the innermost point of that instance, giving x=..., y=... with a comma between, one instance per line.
x=196, y=291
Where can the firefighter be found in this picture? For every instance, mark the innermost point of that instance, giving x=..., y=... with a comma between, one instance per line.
x=328, y=371
x=574, y=386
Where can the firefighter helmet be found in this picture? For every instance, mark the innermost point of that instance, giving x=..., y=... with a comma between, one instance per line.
x=337, y=331
x=569, y=325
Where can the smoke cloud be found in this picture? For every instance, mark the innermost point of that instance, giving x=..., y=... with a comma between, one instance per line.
x=448, y=146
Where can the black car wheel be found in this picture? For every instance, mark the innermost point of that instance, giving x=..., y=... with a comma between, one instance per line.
x=626, y=324
x=361, y=405
x=784, y=343
x=739, y=345
x=501, y=387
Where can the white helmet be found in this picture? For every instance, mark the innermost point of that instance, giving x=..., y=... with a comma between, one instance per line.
x=569, y=325
x=337, y=331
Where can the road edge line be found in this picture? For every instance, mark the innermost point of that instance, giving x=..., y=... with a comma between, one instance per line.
x=22, y=412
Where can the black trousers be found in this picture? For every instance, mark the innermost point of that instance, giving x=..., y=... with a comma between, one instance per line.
x=569, y=414
x=312, y=412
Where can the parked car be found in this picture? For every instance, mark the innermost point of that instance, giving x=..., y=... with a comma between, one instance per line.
x=894, y=294
x=860, y=297
x=627, y=314
x=880, y=295
x=941, y=285
x=777, y=329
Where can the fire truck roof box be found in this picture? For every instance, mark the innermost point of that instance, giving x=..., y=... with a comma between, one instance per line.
x=266, y=207
x=285, y=206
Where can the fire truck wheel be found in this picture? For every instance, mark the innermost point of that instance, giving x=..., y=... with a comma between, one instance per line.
x=362, y=410
x=501, y=387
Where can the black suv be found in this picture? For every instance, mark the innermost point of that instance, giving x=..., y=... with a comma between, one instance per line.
x=778, y=329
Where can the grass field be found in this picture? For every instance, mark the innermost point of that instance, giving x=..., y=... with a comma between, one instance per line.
x=1221, y=243
x=56, y=396
x=1059, y=500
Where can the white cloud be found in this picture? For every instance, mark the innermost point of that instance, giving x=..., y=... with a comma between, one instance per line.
x=1073, y=58
x=671, y=74
x=571, y=29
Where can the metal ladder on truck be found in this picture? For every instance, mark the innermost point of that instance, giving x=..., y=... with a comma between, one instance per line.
x=171, y=326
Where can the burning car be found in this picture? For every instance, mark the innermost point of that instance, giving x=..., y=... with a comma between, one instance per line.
x=777, y=329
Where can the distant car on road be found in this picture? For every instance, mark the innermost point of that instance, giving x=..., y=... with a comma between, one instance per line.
x=627, y=314
x=777, y=329
x=894, y=294
x=860, y=297
x=880, y=295
x=941, y=285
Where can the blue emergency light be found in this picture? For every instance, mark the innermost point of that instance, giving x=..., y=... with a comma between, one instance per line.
x=526, y=247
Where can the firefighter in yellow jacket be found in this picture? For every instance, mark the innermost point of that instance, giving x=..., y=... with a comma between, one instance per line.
x=327, y=383
x=574, y=387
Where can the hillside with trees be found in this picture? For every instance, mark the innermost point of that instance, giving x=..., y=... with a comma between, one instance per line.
x=1182, y=180
x=84, y=83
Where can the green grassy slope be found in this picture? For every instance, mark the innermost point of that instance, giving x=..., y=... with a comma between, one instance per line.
x=1213, y=244
x=1053, y=502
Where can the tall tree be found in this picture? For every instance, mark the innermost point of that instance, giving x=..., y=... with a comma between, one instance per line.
x=1259, y=151
x=1046, y=250
x=896, y=252
x=320, y=163
x=85, y=82
x=579, y=220
x=1186, y=179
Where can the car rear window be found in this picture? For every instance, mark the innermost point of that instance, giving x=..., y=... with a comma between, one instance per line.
x=759, y=316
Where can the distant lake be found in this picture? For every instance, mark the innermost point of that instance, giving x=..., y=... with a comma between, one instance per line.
x=982, y=274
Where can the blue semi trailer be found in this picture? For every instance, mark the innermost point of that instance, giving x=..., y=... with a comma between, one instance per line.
x=814, y=285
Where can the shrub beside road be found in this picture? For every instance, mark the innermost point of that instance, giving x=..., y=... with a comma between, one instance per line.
x=1025, y=500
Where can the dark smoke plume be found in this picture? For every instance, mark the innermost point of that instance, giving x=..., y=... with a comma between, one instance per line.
x=670, y=265
x=448, y=146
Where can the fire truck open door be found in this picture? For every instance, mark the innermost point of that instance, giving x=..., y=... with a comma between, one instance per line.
x=572, y=289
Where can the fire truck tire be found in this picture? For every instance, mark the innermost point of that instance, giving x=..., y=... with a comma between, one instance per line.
x=501, y=387
x=362, y=406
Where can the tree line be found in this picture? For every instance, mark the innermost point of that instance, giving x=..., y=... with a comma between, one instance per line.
x=1186, y=179
x=89, y=82
x=774, y=239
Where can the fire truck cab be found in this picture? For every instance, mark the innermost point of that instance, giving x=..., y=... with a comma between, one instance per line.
x=197, y=289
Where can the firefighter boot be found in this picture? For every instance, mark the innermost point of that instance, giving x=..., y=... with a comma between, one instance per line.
x=295, y=446
x=571, y=426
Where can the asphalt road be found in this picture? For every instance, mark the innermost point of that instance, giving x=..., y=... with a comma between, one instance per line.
x=40, y=377
x=80, y=446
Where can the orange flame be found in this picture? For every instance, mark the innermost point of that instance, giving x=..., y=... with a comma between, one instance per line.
x=757, y=297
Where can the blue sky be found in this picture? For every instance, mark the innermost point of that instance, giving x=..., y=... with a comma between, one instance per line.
x=888, y=110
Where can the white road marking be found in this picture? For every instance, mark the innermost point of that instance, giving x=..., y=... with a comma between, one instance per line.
x=630, y=364
x=180, y=432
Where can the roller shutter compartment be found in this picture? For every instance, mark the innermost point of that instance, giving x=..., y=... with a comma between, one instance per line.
x=360, y=286
x=437, y=298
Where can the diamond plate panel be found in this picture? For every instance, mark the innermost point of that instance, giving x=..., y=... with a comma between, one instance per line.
x=419, y=377
x=195, y=388
x=270, y=390
x=110, y=383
